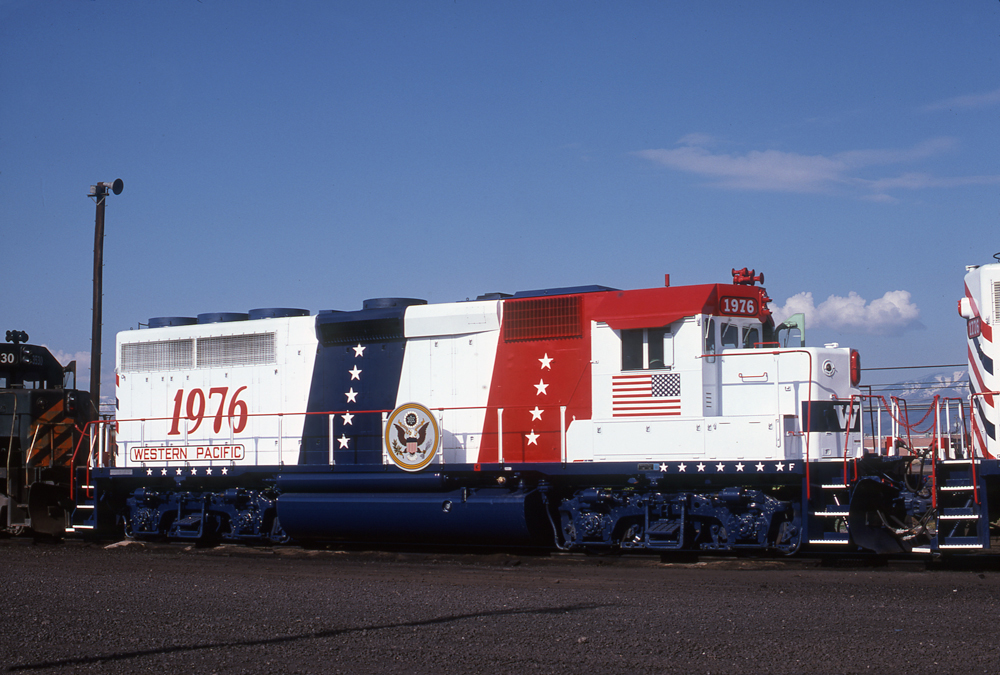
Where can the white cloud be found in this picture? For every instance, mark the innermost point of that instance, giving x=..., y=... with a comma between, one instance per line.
x=756, y=170
x=918, y=181
x=82, y=358
x=983, y=100
x=861, y=158
x=891, y=314
x=82, y=365
x=780, y=171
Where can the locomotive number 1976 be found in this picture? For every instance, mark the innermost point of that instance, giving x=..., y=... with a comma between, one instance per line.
x=738, y=306
x=236, y=412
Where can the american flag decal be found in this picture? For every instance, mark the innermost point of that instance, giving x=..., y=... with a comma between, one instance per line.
x=645, y=394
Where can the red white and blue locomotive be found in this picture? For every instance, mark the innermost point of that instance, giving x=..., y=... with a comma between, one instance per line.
x=588, y=418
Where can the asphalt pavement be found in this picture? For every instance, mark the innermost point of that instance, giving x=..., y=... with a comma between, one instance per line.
x=135, y=608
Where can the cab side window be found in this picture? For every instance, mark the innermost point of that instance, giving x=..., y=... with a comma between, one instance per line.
x=661, y=348
x=647, y=349
x=632, y=349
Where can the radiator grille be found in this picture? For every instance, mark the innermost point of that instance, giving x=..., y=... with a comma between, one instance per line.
x=236, y=350
x=160, y=355
x=542, y=319
x=210, y=352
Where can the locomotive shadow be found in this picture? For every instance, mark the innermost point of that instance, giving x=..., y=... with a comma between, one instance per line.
x=317, y=635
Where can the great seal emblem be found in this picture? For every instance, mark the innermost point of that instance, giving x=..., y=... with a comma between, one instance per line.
x=412, y=436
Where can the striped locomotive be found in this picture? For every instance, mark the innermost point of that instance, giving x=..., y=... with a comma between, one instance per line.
x=980, y=306
x=41, y=425
x=586, y=418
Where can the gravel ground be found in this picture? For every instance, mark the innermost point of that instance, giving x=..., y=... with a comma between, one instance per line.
x=79, y=608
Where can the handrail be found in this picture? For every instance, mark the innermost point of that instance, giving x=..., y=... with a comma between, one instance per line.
x=901, y=419
x=908, y=426
x=971, y=453
x=963, y=437
x=182, y=440
x=84, y=433
x=41, y=437
x=860, y=398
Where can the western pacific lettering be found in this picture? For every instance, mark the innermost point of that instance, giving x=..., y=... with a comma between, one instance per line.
x=188, y=453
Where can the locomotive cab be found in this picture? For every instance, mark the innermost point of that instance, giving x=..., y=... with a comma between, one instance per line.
x=696, y=372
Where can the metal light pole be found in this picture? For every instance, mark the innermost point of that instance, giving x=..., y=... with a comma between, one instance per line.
x=99, y=192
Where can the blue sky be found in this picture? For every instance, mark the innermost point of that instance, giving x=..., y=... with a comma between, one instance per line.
x=314, y=154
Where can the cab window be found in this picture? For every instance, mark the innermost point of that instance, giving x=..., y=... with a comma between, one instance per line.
x=730, y=335
x=632, y=349
x=647, y=349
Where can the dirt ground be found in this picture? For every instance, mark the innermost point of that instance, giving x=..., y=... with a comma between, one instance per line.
x=87, y=608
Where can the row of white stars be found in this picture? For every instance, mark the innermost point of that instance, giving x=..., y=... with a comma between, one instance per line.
x=194, y=471
x=740, y=466
x=352, y=396
x=532, y=439
x=541, y=388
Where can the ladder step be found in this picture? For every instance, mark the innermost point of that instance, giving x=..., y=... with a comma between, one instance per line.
x=834, y=538
x=957, y=488
x=834, y=486
x=961, y=542
x=665, y=528
x=830, y=513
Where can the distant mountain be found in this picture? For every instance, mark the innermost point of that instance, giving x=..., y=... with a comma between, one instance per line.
x=950, y=383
